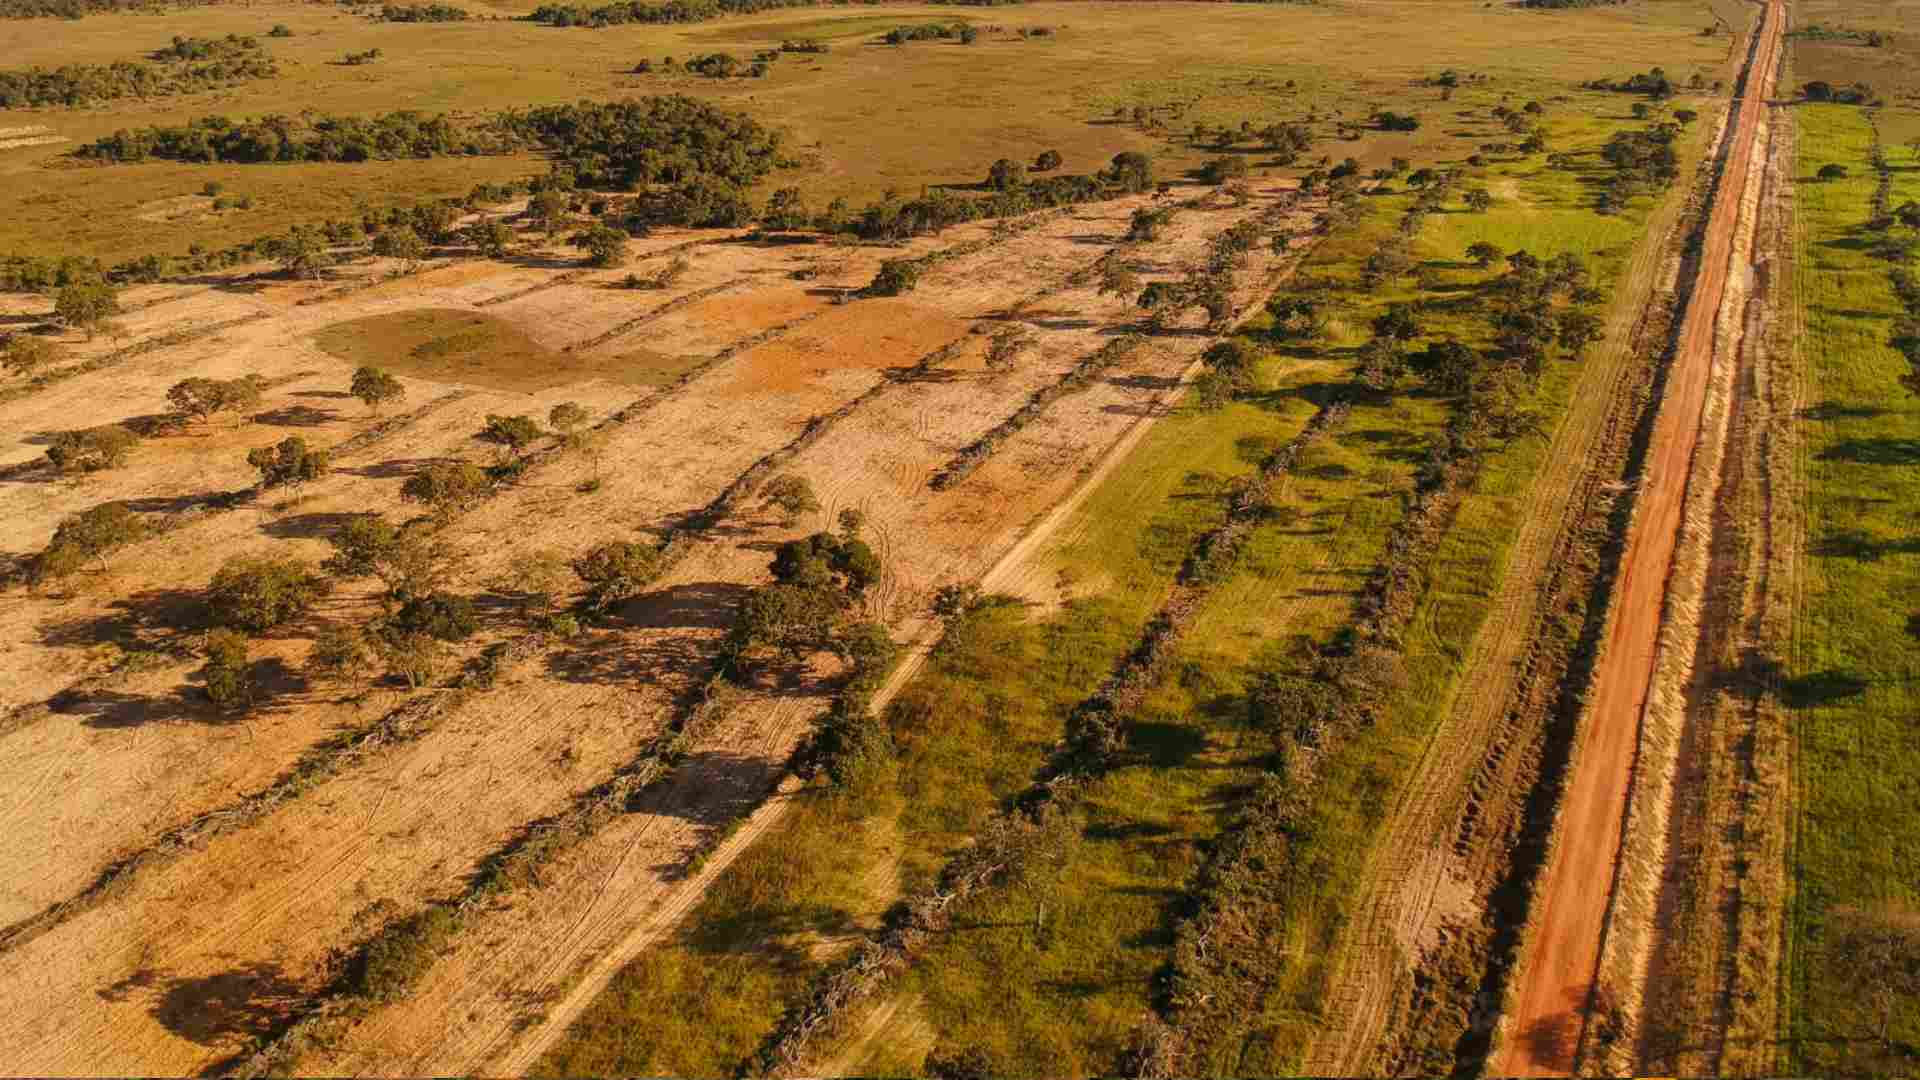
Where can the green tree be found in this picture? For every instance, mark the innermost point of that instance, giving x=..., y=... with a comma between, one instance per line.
x=1478, y=201
x=447, y=487
x=1832, y=172
x=91, y=449
x=792, y=495
x=228, y=673
x=200, y=398
x=896, y=277
x=417, y=658
x=1579, y=329
x=618, y=570
x=258, y=593
x=1446, y=365
x=549, y=209
x=302, y=253
x=1484, y=254
x=1048, y=161
x=402, y=243
x=24, y=354
x=567, y=418
x=490, y=237
x=515, y=433
x=375, y=387
x=1131, y=171
x=1006, y=175
x=605, y=245
x=538, y=578
x=288, y=463
x=786, y=210
x=86, y=305
x=89, y=536
x=341, y=654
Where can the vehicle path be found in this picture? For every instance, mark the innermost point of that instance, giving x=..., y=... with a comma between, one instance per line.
x=1559, y=960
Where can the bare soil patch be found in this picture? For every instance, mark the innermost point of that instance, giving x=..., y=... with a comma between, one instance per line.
x=461, y=346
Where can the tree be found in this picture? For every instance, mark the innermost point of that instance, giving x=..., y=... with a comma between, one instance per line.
x=1879, y=950
x=549, y=209
x=1478, y=201
x=618, y=570
x=538, y=577
x=1131, y=171
x=288, y=463
x=406, y=560
x=605, y=245
x=1833, y=172
x=1146, y=223
x=1446, y=365
x=515, y=433
x=375, y=387
x=786, y=210
x=1048, y=161
x=567, y=418
x=1396, y=324
x=258, y=593
x=490, y=237
x=301, y=253
x=417, y=658
x=792, y=495
x=341, y=654
x=438, y=615
x=1006, y=175
x=896, y=277
x=1222, y=169
x=1579, y=329
x=448, y=487
x=200, y=397
x=90, y=535
x=91, y=449
x=969, y=35
x=24, y=354
x=1484, y=254
x=86, y=304
x=228, y=674
x=402, y=243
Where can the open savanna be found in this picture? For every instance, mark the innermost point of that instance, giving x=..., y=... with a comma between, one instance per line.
x=1891, y=68
x=1054, y=975
x=862, y=118
x=1853, y=677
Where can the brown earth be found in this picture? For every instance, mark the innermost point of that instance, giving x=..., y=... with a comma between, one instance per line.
x=181, y=965
x=1551, y=1001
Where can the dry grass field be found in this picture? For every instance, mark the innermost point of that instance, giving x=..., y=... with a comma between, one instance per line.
x=599, y=846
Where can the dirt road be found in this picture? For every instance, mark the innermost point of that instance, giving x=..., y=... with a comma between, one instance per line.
x=1558, y=964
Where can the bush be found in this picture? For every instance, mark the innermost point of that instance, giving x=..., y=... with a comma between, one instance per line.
x=375, y=387
x=228, y=674
x=200, y=397
x=288, y=463
x=604, y=245
x=792, y=495
x=616, y=571
x=89, y=535
x=1832, y=172
x=441, y=616
x=258, y=593
x=514, y=432
x=24, y=354
x=91, y=449
x=340, y=654
x=447, y=487
x=1048, y=161
x=896, y=277
x=390, y=964
x=1222, y=169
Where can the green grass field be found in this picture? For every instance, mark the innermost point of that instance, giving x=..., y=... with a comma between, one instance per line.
x=861, y=119
x=1854, y=673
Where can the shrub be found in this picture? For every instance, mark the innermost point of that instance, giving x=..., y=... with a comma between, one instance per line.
x=438, y=615
x=447, y=487
x=288, y=463
x=513, y=432
x=86, y=304
x=375, y=387
x=228, y=674
x=200, y=397
x=258, y=593
x=341, y=654
x=616, y=571
x=24, y=354
x=1048, y=161
x=1832, y=172
x=92, y=534
x=390, y=964
x=91, y=449
x=1222, y=169
x=896, y=276
x=604, y=245
x=416, y=658
x=792, y=495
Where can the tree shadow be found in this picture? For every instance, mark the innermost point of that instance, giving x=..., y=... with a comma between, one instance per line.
x=706, y=605
x=228, y=1009
x=312, y=526
x=304, y=416
x=1834, y=410
x=1877, y=451
x=1821, y=688
x=394, y=468
x=331, y=395
x=113, y=709
x=1862, y=547
x=1550, y=1040
x=1164, y=745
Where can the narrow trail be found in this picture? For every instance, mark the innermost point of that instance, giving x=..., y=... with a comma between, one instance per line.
x=1554, y=995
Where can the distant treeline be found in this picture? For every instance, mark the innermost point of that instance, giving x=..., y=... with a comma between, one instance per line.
x=74, y=9
x=684, y=11
x=1558, y=5
x=416, y=13
x=622, y=144
x=186, y=66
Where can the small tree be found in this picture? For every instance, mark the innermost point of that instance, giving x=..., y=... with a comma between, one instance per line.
x=1048, y=161
x=289, y=463
x=490, y=237
x=549, y=210
x=448, y=487
x=1484, y=254
x=341, y=654
x=1131, y=171
x=538, y=578
x=1006, y=175
x=567, y=418
x=1446, y=365
x=605, y=245
x=512, y=433
x=200, y=397
x=1832, y=172
x=258, y=593
x=24, y=354
x=896, y=277
x=617, y=570
x=228, y=674
x=91, y=449
x=786, y=209
x=89, y=536
x=86, y=304
x=402, y=243
x=375, y=387
x=417, y=658
x=301, y=253
x=1478, y=201
x=792, y=495
x=1579, y=329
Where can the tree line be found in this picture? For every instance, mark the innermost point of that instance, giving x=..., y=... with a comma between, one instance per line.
x=75, y=9
x=419, y=13
x=186, y=66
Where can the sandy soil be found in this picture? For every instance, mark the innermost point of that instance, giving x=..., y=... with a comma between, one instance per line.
x=1558, y=963
x=174, y=971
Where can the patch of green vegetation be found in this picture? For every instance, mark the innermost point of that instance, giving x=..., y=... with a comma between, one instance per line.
x=1851, y=677
x=459, y=346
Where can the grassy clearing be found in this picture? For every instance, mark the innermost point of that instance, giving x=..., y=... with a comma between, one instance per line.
x=453, y=345
x=857, y=118
x=1854, y=673
x=1890, y=69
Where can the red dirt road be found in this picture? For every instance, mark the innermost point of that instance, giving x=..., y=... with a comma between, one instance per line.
x=1558, y=965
